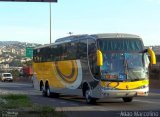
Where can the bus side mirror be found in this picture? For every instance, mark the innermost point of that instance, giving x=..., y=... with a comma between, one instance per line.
x=99, y=58
x=152, y=54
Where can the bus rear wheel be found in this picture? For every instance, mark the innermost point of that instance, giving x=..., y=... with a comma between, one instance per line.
x=44, y=93
x=51, y=94
x=48, y=92
x=127, y=99
x=88, y=97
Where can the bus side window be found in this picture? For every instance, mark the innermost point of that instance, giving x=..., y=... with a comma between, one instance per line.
x=63, y=54
x=72, y=50
x=53, y=52
x=58, y=53
x=48, y=54
x=82, y=50
x=43, y=50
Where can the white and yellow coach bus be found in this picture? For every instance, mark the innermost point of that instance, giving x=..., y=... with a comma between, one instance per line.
x=94, y=66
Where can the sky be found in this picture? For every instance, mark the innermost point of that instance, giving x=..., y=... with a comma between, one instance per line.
x=30, y=22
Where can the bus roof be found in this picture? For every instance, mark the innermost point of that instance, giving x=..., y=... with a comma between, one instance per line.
x=94, y=36
x=71, y=38
x=115, y=35
x=97, y=36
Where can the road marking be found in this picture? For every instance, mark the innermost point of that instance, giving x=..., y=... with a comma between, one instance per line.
x=147, y=101
x=12, y=84
x=9, y=86
x=83, y=108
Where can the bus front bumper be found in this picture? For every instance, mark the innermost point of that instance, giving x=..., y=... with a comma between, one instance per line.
x=124, y=93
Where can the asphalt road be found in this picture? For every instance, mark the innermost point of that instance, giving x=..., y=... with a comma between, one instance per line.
x=76, y=106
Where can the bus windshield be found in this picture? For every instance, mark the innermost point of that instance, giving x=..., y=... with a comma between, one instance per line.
x=120, y=44
x=122, y=64
x=113, y=62
x=133, y=60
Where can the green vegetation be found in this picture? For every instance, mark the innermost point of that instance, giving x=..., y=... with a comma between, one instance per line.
x=22, y=104
x=46, y=111
x=15, y=73
x=13, y=101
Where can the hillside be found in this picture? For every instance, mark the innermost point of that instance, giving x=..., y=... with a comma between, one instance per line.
x=12, y=53
x=155, y=48
x=5, y=43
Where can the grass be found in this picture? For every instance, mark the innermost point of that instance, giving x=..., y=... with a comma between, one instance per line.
x=15, y=101
x=22, y=104
x=46, y=111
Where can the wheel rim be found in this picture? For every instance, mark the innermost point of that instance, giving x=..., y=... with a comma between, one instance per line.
x=88, y=93
x=48, y=92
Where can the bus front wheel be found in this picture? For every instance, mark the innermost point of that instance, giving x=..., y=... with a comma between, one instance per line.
x=127, y=99
x=88, y=97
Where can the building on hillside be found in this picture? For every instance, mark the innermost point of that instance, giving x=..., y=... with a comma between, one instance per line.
x=13, y=50
x=1, y=52
x=4, y=66
x=22, y=52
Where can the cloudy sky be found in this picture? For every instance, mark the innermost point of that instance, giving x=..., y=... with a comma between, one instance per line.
x=29, y=22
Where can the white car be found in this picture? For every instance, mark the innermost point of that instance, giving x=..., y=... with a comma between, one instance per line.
x=6, y=77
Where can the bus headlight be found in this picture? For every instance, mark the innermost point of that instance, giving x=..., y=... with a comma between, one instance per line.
x=143, y=87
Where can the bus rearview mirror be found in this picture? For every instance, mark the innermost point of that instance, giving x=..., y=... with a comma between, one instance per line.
x=152, y=54
x=99, y=58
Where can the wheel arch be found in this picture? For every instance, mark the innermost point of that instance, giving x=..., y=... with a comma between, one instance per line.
x=41, y=85
x=46, y=84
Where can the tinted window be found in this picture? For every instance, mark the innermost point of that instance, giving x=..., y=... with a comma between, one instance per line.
x=72, y=50
x=82, y=49
x=7, y=75
x=61, y=52
x=120, y=44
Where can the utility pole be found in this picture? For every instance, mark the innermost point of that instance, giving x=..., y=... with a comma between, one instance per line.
x=50, y=11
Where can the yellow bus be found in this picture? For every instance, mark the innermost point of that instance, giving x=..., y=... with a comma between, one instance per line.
x=94, y=66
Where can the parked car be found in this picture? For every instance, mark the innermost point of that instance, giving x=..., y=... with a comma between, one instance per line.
x=6, y=77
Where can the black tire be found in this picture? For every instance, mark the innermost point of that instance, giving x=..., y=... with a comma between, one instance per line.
x=44, y=91
x=51, y=94
x=89, y=99
x=127, y=99
x=41, y=86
